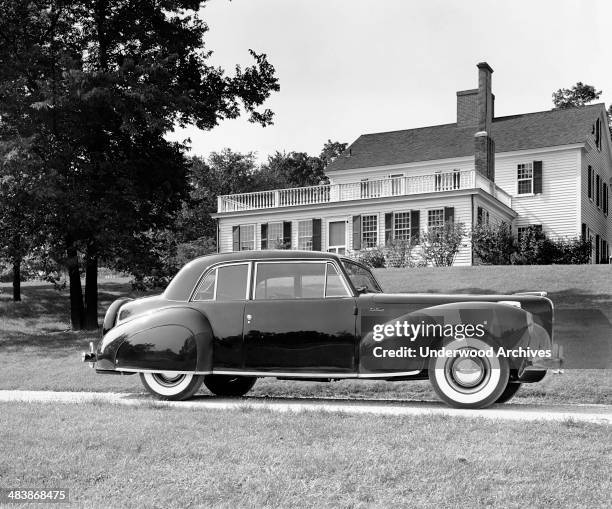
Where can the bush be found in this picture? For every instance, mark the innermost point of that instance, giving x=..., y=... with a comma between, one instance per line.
x=493, y=244
x=441, y=245
x=372, y=257
x=399, y=254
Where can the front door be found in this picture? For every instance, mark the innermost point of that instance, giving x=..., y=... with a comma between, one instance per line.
x=300, y=319
x=336, y=236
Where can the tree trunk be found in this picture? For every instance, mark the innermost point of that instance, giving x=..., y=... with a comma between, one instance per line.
x=17, y=279
x=77, y=310
x=91, y=290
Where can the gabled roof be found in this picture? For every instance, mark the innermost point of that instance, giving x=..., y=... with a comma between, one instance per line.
x=516, y=132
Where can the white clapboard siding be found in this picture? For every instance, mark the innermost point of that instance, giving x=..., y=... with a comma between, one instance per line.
x=600, y=160
x=461, y=203
x=413, y=169
x=556, y=208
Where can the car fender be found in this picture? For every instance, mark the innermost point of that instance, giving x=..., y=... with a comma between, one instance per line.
x=502, y=325
x=175, y=338
x=110, y=318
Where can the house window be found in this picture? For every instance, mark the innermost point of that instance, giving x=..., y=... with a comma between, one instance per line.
x=305, y=235
x=275, y=235
x=482, y=216
x=435, y=218
x=525, y=178
x=401, y=225
x=247, y=237
x=369, y=231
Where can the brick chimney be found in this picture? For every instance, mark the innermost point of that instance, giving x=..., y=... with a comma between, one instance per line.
x=484, y=145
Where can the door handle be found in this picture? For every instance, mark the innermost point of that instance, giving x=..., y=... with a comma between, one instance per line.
x=249, y=318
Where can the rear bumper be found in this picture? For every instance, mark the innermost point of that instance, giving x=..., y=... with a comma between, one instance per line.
x=90, y=357
x=543, y=363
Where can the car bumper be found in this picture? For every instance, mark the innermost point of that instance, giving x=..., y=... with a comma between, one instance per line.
x=542, y=363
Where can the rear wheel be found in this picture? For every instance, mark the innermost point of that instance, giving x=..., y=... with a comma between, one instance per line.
x=229, y=385
x=471, y=376
x=509, y=392
x=171, y=386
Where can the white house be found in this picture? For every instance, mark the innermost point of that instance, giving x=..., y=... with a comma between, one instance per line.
x=550, y=168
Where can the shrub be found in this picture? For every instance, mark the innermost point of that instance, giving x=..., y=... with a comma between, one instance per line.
x=493, y=244
x=373, y=257
x=399, y=253
x=441, y=245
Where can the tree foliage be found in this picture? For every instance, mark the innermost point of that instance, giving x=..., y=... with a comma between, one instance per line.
x=96, y=85
x=441, y=245
x=493, y=243
x=579, y=95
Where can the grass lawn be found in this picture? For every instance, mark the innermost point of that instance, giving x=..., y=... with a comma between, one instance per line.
x=39, y=353
x=112, y=456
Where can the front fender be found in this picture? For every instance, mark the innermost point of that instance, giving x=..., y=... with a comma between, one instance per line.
x=167, y=339
x=500, y=325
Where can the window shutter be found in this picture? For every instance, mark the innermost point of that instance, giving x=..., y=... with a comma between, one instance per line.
x=605, y=197
x=479, y=216
x=584, y=232
x=287, y=234
x=597, y=260
x=264, y=236
x=316, y=235
x=356, y=232
x=236, y=238
x=415, y=226
x=388, y=227
x=597, y=189
x=537, y=177
x=589, y=182
x=449, y=214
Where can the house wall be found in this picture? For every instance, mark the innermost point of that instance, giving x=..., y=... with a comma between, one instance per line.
x=557, y=207
x=413, y=169
x=462, y=203
x=600, y=160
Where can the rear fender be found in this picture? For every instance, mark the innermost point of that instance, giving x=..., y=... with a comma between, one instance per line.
x=500, y=325
x=167, y=339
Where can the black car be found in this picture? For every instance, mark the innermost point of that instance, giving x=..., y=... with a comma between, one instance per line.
x=227, y=319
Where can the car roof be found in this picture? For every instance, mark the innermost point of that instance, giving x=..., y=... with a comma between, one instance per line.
x=181, y=286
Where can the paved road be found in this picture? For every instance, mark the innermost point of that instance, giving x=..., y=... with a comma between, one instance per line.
x=601, y=414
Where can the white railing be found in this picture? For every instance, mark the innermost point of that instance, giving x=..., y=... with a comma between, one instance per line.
x=363, y=190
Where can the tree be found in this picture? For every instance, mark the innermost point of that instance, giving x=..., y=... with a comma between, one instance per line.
x=22, y=206
x=493, y=244
x=331, y=150
x=293, y=169
x=98, y=84
x=441, y=245
x=579, y=95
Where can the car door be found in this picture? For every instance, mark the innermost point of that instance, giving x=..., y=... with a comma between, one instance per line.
x=301, y=319
x=221, y=295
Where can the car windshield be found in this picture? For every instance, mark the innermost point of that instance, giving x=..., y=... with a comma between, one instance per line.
x=362, y=278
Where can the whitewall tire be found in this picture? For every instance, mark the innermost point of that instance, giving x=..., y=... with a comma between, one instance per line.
x=471, y=380
x=171, y=386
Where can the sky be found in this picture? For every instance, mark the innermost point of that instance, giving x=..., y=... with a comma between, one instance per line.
x=350, y=67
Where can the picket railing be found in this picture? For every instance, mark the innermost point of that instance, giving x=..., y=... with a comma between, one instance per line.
x=362, y=190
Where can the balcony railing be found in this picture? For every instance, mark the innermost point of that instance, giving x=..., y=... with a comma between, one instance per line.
x=363, y=190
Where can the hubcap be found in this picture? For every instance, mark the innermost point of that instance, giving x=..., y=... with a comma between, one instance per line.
x=168, y=379
x=468, y=372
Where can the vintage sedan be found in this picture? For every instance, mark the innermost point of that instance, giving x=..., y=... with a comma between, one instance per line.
x=227, y=319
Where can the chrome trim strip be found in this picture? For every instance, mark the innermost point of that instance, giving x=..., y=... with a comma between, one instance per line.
x=276, y=373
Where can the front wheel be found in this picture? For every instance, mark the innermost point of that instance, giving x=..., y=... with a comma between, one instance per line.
x=471, y=375
x=171, y=386
x=229, y=385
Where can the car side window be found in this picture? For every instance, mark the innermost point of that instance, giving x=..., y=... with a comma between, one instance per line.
x=334, y=286
x=232, y=282
x=206, y=290
x=287, y=280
